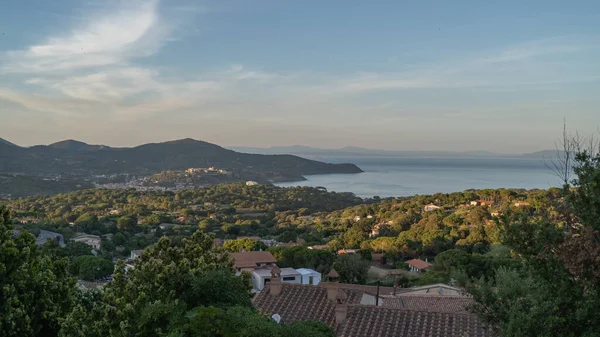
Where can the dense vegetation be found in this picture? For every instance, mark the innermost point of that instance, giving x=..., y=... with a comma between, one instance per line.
x=530, y=258
x=185, y=289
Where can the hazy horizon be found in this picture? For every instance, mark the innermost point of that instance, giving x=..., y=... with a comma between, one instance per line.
x=241, y=147
x=474, y=76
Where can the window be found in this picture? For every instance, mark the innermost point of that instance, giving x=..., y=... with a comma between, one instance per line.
x=289, y=278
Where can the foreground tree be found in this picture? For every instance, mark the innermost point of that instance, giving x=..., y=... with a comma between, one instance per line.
x=557, y=290
x=189, y=289
x=35, y=290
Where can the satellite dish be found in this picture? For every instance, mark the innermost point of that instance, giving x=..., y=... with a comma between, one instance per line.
x=276, y=318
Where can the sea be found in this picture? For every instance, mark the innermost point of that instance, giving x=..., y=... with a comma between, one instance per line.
x=394, y=176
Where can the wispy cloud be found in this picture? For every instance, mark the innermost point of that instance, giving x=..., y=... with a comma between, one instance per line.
x=130, y=31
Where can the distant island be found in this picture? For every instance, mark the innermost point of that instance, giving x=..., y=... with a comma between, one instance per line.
x=69, y=165
x=359, y=151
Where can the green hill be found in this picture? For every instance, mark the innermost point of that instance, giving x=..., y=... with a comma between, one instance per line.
x=77, y=158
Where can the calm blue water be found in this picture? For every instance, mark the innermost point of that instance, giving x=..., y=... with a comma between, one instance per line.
x=387, y=176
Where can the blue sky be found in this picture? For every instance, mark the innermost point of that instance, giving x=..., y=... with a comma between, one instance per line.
x=413, y=75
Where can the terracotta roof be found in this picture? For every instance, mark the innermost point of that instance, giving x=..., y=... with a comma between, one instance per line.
x=297, y=303
x=252, y=259
x=310, y=303
x=364, y=288
x=366, y=321
x=448, y=304
x=419, y=264
x=433, y=288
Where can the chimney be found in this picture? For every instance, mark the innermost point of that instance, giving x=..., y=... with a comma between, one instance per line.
x=333, y=276
x=275, y=281
x=341, y=306
x=332, y=290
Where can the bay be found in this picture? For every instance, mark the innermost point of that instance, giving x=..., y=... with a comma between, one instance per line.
x=393, y=176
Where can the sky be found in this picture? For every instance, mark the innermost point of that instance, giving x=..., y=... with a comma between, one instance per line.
x=458, y=75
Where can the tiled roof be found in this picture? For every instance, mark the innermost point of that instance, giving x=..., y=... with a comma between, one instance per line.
x=367, y=321
x=297, y=303
x=448, y=304
x=365, y=288
x=310, y=303
x=48, y=235
x=431, y=289
x=251, y=259
x=419, y=264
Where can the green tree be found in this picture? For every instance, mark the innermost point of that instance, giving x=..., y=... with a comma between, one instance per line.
x=119, y=239
x=36, y=291
x=244, y=244
x=185, y=289
x=126, y=223
x=557, y=290
x=74, y=249
x=352, y=268
x=92, y=268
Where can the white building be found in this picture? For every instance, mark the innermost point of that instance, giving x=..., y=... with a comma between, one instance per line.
x=251, y=183
x=262, y=276
x=290, y=275
x=93, y=241
x=309, y=276
x=136, y=253
x=430, y=207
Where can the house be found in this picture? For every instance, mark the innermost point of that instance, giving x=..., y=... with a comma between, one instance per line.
x=290, y=275
x=521, y=203
x=249, y=261
x=309, y=276
x=136, y=253
x=417, y=265
x=287, y=244
x=89, y=285
x=165, y=226
x=376, y=229
x=213, y=217
x=321, y=247
x=307, y=218
x=438, y=289
x=268, y=242
x=447, y=304
x=495, y=213
x=48, y=235
x=369, y=217
x=262, y=276
x=114, y=212
x=377, y=258
x=93, y=241
x=184, y=219
x=347, y=251
x=482, y=203
x=430, y=207
x=350, y=312
x=251, y=183
x=357, y=218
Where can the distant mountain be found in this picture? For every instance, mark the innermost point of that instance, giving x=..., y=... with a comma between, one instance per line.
x=74, y=145
x=359, y=151
x=74, y=157
x=6, y=142
x=547, y=154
